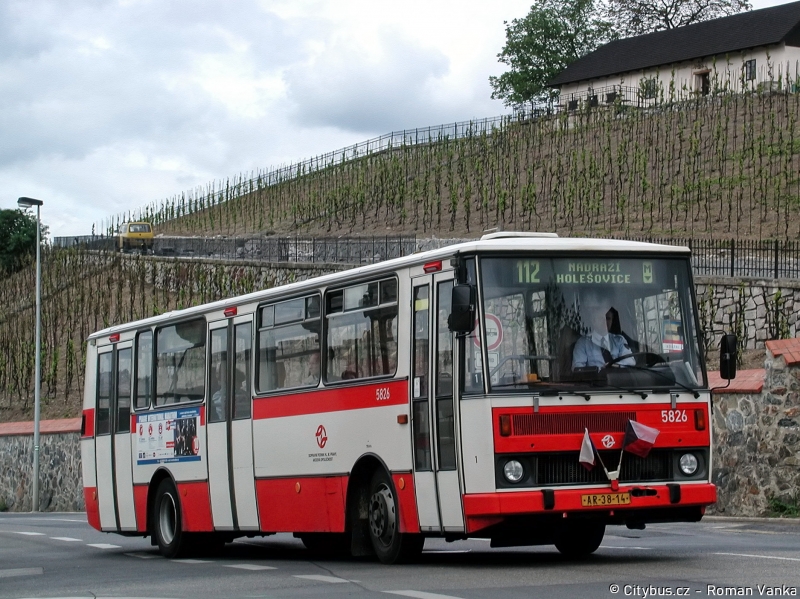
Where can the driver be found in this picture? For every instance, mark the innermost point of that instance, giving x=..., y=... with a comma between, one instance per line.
x=599, y=346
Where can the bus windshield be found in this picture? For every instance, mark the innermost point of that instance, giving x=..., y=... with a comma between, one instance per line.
x=586, y=322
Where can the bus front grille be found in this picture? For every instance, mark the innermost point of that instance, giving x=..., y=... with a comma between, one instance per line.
x=565, y=469
x=570, y=423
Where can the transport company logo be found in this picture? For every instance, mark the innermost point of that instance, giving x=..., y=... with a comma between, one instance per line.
x=322, y=436
x=607, y=441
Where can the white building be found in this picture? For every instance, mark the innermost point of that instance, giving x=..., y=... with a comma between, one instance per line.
x=756, y=50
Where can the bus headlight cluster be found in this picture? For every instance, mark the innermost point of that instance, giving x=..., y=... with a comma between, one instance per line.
x=513, y=471
x=688, y=464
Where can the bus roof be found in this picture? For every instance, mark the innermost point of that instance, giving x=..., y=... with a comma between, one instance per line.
x=497, y=243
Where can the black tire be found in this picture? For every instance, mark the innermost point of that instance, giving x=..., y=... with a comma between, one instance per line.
x=578, y=540
x=390, y=545
x=167, y=528
x=327, y=544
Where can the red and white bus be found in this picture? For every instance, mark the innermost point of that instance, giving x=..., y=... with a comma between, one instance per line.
x=454, y=393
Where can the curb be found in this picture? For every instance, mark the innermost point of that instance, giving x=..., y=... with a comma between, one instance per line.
x=752, y=520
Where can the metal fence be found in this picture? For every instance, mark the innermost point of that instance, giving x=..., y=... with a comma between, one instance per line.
x=740, y=257
x=710, y=257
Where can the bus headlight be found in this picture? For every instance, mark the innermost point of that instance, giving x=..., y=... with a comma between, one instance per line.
x=513, y=471
x=688, y=464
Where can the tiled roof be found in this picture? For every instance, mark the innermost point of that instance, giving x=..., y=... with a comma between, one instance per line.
x=725, y=35
x=46, y=427
x=746, y=381
x=788, y=348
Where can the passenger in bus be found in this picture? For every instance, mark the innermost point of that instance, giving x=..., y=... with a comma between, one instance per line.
x=599, y=346
x=312, y=373
x=219, y=397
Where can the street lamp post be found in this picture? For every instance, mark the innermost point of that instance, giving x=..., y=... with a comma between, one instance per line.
x=29, y=203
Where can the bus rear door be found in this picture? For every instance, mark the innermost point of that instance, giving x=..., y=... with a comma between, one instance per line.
x=113, y=438
x=229, y=425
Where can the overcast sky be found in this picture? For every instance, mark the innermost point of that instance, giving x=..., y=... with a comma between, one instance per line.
x=106, y=105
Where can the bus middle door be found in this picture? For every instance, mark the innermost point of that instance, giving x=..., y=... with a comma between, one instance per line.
x=229, y=425
x=436, y=475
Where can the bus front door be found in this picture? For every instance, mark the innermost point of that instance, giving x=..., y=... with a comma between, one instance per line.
x=113, y=438
x=434, y=416
x=229, y=425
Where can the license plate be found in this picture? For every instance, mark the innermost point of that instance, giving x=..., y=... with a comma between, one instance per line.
x=600, y=499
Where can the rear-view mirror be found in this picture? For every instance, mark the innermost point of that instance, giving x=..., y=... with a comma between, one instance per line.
x=727, y=357
x=462, y=315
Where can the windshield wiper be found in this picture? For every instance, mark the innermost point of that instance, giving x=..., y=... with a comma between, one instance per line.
x=664, y=376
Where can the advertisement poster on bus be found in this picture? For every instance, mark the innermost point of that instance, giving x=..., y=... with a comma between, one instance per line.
x=168, y=437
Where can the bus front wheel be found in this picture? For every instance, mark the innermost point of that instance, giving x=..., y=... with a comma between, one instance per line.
x=391, y=546
x=578, y=540
x=167, y=520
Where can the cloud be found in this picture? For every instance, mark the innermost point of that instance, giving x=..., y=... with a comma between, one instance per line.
x=350, y=86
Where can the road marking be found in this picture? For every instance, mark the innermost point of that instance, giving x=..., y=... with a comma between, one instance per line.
x=67, y=539
x=190, y=561
x=31, y=534
x=788, y=559
x=447, y=550
x=253, y=567
x=620, y=547
x=21, y=572
x=104, y=546
x=421, y=595
x=143, y=555
x=320, y=578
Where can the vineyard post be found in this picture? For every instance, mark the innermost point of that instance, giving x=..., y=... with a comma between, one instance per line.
x=28, y=203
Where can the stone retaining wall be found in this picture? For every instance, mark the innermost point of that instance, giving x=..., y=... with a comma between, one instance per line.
x=60, y=482
x=757, y=438
x=755, y=309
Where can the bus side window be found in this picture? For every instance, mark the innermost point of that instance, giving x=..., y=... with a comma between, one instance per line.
x=104, y=389
x=124, y=364
x=144, y=370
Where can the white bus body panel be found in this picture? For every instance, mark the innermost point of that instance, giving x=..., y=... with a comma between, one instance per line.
x=478, y=445
x=287, y=446
x=124, y=474
x=244, y=484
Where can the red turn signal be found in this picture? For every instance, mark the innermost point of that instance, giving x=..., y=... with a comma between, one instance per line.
x=700, y=419
x=433, y=266
x=230, y=312
x=505, y=425
x=113, y=338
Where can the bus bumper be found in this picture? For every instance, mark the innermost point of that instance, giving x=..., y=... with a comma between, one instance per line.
x=648, y=503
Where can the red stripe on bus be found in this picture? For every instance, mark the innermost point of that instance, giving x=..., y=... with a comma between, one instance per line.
x=371, y=395
x=302, y=504
x=92, y=506
x=195, y=507
x=407, y=502
x=140, y=505
x=88, y=426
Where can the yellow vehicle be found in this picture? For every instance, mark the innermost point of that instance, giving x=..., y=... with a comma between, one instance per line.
x=135, y=235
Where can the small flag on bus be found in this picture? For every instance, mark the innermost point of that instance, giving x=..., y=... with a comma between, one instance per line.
x=586, y=457
x=639, y=438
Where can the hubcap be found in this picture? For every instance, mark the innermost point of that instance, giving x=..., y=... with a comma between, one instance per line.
x=382, y=517
x=167, y=518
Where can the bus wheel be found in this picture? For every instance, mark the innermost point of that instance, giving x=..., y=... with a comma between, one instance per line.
x=391, y=546
x=167, y=520
x=580, y=539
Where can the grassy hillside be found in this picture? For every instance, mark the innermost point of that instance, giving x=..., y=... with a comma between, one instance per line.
x=715, y=167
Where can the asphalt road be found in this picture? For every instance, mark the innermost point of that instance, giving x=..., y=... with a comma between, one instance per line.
x=59, y=555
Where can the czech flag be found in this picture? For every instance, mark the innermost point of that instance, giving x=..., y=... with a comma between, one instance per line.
x=586, y=457
x=639, y=438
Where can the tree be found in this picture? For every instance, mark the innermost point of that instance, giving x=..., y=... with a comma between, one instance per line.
x=17, y=239
x=538, y=47
x=636, y=17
